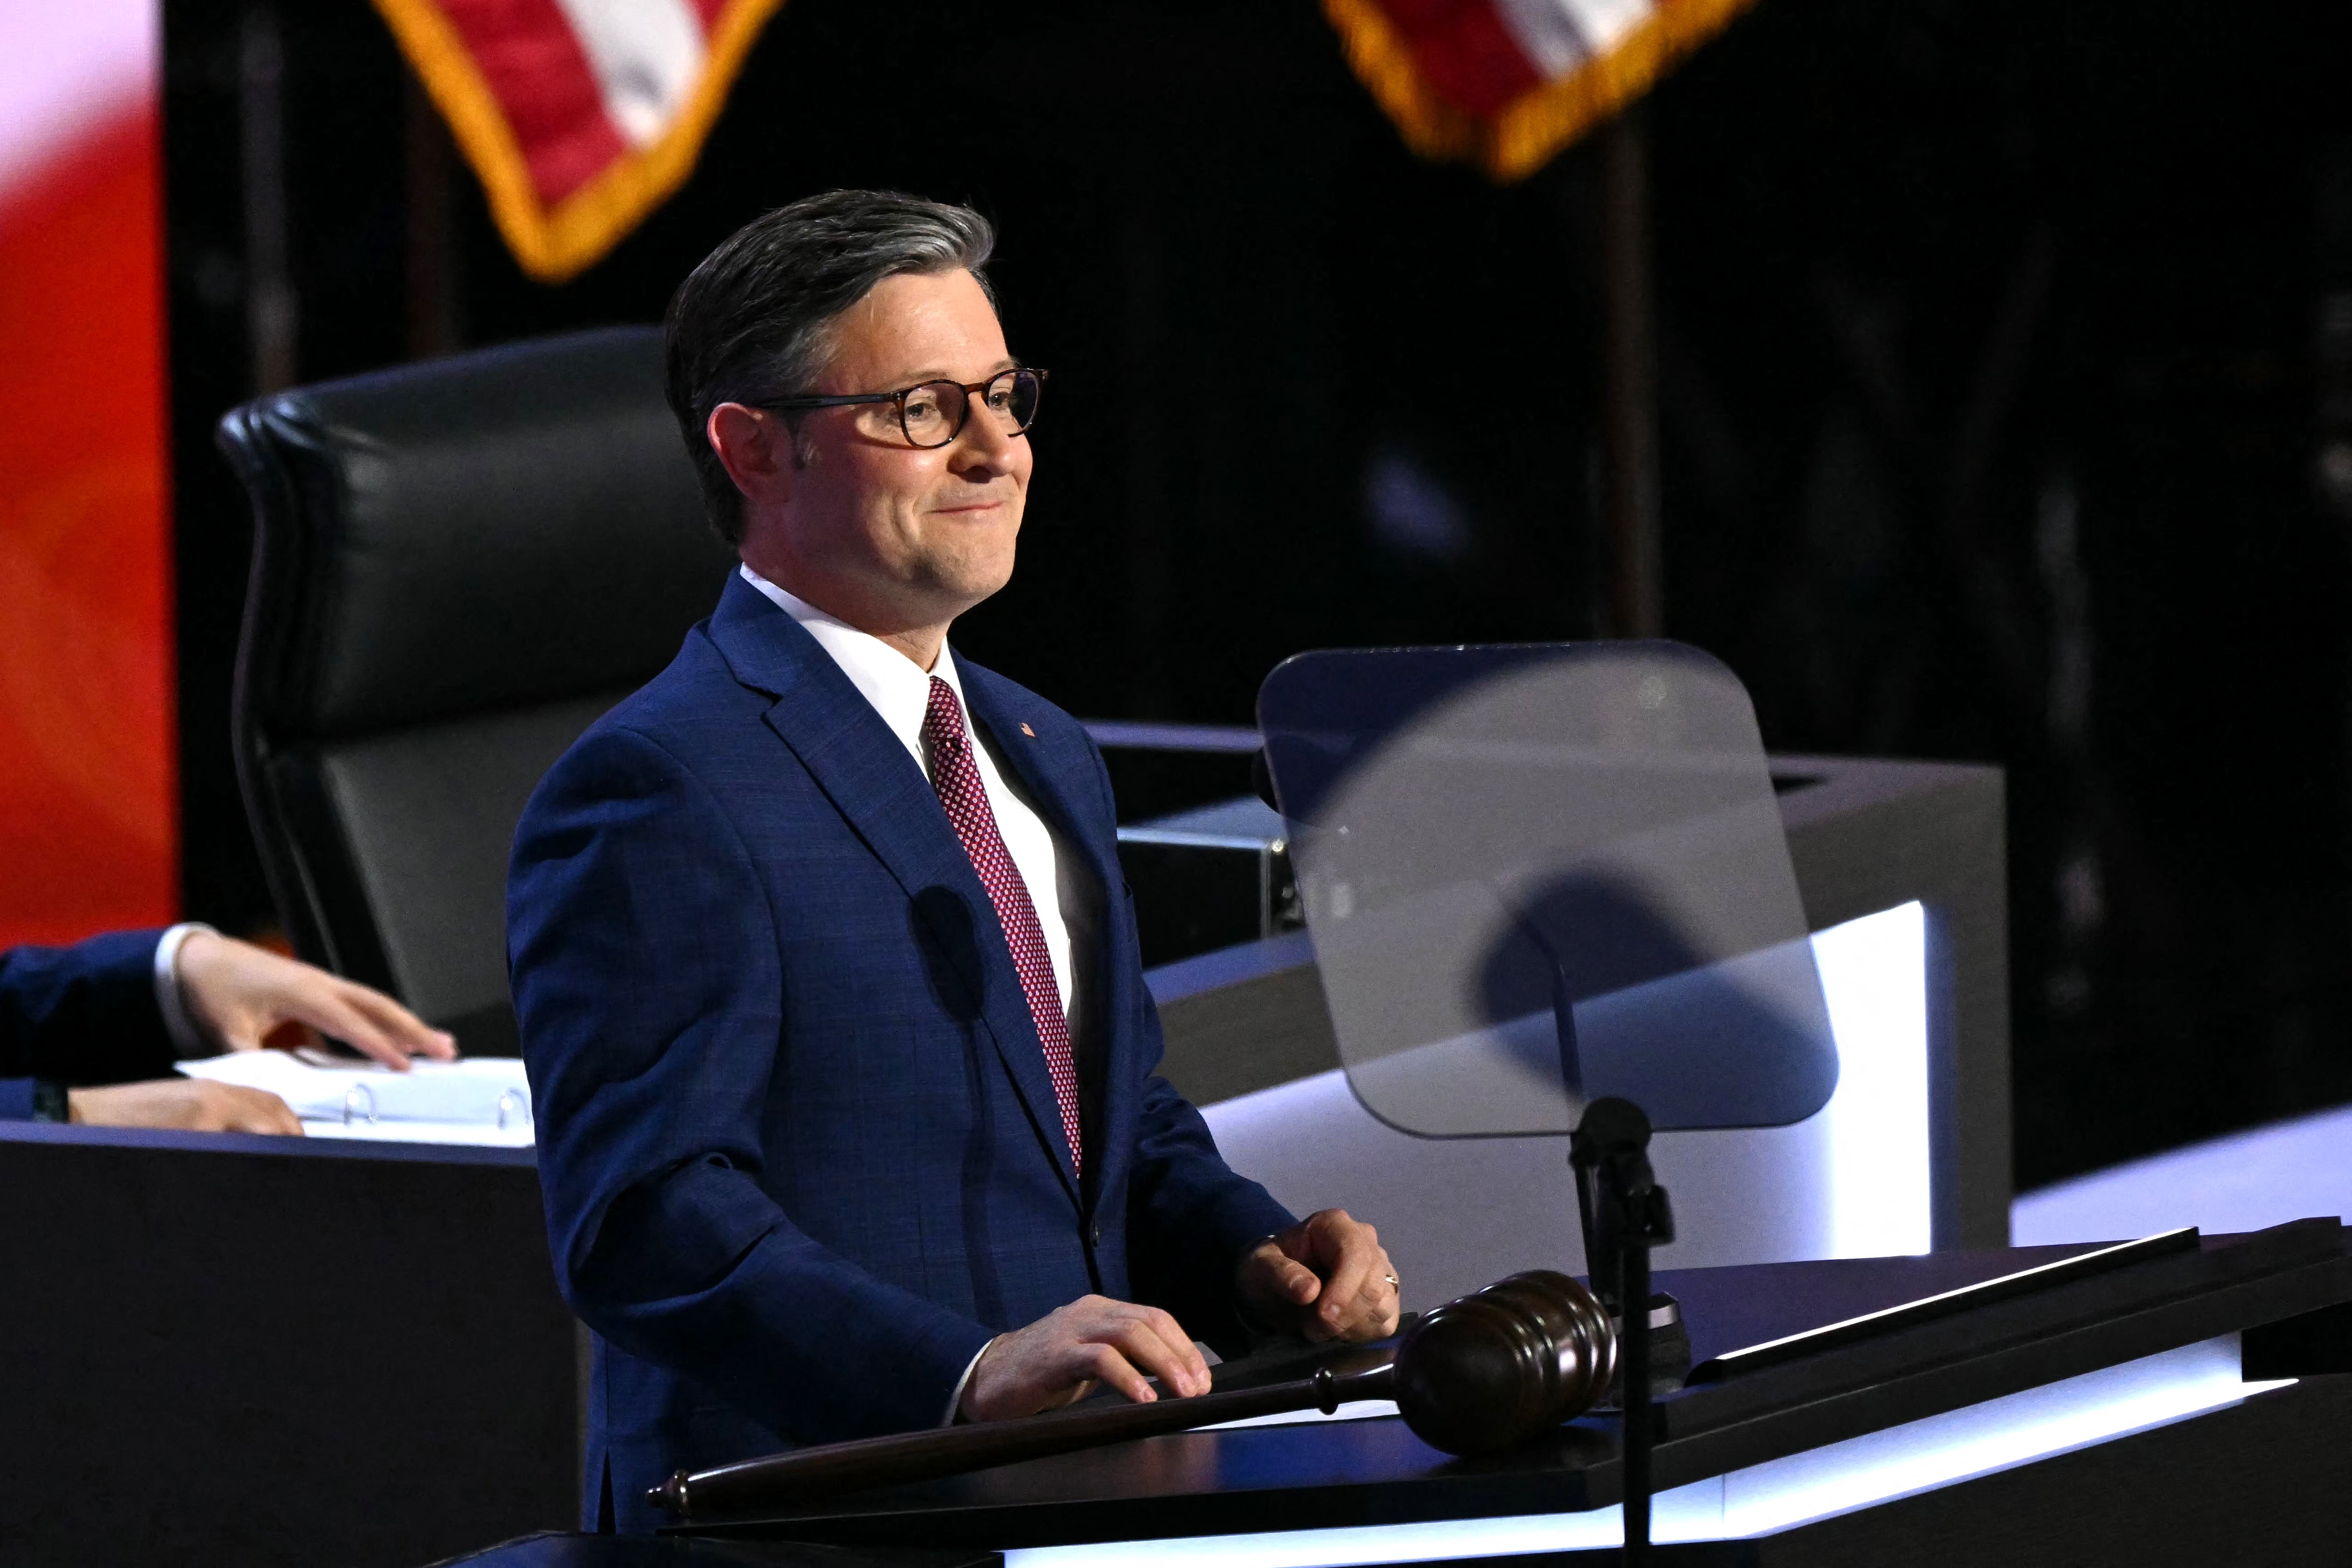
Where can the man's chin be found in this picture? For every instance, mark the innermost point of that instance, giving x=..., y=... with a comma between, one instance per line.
x=966, y=582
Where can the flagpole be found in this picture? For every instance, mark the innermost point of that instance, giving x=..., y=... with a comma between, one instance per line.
x=1628, y=383
x=269, y=301
x=429, y=159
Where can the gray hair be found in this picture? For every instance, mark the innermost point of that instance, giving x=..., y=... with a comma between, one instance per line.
x=755, y=321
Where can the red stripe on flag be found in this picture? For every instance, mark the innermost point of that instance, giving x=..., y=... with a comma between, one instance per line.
x=710, y=11
x=1464, y=51
x=537, y=71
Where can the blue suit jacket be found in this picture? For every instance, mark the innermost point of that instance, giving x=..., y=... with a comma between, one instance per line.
x=801, y=1154
x=84, y=1014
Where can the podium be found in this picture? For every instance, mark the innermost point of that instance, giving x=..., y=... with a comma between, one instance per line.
x=2189, y=1407
x=1550, y=896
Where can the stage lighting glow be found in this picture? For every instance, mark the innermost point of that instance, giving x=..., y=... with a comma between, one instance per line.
x=2247, y=1181
x=1981, y=1439
x=1917, y=1456
x=65, y=70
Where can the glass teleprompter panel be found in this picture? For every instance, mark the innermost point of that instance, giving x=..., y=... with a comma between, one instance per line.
x=1538, y=875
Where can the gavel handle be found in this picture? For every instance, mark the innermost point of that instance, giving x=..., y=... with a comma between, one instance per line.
x=806, y=1474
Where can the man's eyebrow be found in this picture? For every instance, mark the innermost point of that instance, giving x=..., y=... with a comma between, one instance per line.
x=916, y=377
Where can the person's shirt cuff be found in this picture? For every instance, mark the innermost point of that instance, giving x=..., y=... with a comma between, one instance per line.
x=187, y=1040
x=955, y=1399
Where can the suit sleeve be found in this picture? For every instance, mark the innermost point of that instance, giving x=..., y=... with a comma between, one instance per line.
x=80, y=1014
x=648, y=989
x=1190, y=1215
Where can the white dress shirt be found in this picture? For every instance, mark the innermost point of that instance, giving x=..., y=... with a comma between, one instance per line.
x=900, y=691
x=187, y=1039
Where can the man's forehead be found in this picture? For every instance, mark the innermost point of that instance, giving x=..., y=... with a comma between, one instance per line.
x=921, y=326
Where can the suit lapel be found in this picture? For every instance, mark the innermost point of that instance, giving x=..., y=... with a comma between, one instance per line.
x=883, y=795
x=1051, y=779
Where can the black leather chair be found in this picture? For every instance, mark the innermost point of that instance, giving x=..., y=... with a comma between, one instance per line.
x=458, y=565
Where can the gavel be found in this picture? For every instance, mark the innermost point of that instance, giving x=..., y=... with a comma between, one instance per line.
x=1485, y=1371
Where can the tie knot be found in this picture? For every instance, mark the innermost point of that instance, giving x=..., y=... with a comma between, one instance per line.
x=943, y=720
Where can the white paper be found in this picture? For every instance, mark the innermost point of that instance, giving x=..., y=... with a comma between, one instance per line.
x=475, y=1099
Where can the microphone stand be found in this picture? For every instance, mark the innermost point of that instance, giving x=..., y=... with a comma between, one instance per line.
x=1624, y=1213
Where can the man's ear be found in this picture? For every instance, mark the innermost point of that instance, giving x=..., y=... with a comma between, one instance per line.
x=756, y=448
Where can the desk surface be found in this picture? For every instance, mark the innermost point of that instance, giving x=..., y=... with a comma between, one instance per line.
x=557, y=1549
x=1376, y=1472
x=385, y=1149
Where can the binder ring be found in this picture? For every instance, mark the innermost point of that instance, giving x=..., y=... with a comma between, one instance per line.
x=511, y=1102
x=360, y=1100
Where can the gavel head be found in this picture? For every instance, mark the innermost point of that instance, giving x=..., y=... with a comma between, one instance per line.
x=1497, y=1367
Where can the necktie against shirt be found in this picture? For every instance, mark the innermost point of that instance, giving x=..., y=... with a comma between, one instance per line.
x=956, y=776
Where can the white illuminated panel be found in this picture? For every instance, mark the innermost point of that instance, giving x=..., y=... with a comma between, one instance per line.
x=1852, y=1181
x=1839, y=1477
x=1874, y=977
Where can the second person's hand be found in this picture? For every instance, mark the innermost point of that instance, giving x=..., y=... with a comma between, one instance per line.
x=183, y=1104
x=238, y=994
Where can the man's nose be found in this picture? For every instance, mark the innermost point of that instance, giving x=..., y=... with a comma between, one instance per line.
x=982, y=443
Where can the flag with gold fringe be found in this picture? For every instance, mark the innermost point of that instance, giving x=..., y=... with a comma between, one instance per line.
x=579, y=116
x=1506, y=84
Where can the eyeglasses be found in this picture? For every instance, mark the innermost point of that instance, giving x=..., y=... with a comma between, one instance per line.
x=932, y=414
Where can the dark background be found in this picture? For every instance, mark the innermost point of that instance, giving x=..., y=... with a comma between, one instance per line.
x=2005, y=355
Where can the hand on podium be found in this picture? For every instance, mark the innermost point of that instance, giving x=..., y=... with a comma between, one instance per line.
x=1060, y=1357
x=1326, y=1277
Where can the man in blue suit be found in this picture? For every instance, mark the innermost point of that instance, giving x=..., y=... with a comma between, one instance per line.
x=839, y=1044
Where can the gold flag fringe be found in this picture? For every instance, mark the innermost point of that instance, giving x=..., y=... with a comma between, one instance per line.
x=1535, y=127
x=559, y=242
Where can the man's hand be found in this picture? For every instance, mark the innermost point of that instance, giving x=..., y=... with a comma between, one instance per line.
x=1326, y=1277
x=238, y=992
x=190, y=1104
x=1058, y=1359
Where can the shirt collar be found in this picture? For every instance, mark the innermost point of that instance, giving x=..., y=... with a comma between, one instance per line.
x=899, y=690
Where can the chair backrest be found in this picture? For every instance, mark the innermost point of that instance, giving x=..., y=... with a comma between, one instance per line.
x=458, y=565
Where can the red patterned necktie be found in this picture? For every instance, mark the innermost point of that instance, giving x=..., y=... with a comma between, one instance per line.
x=957, y=778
